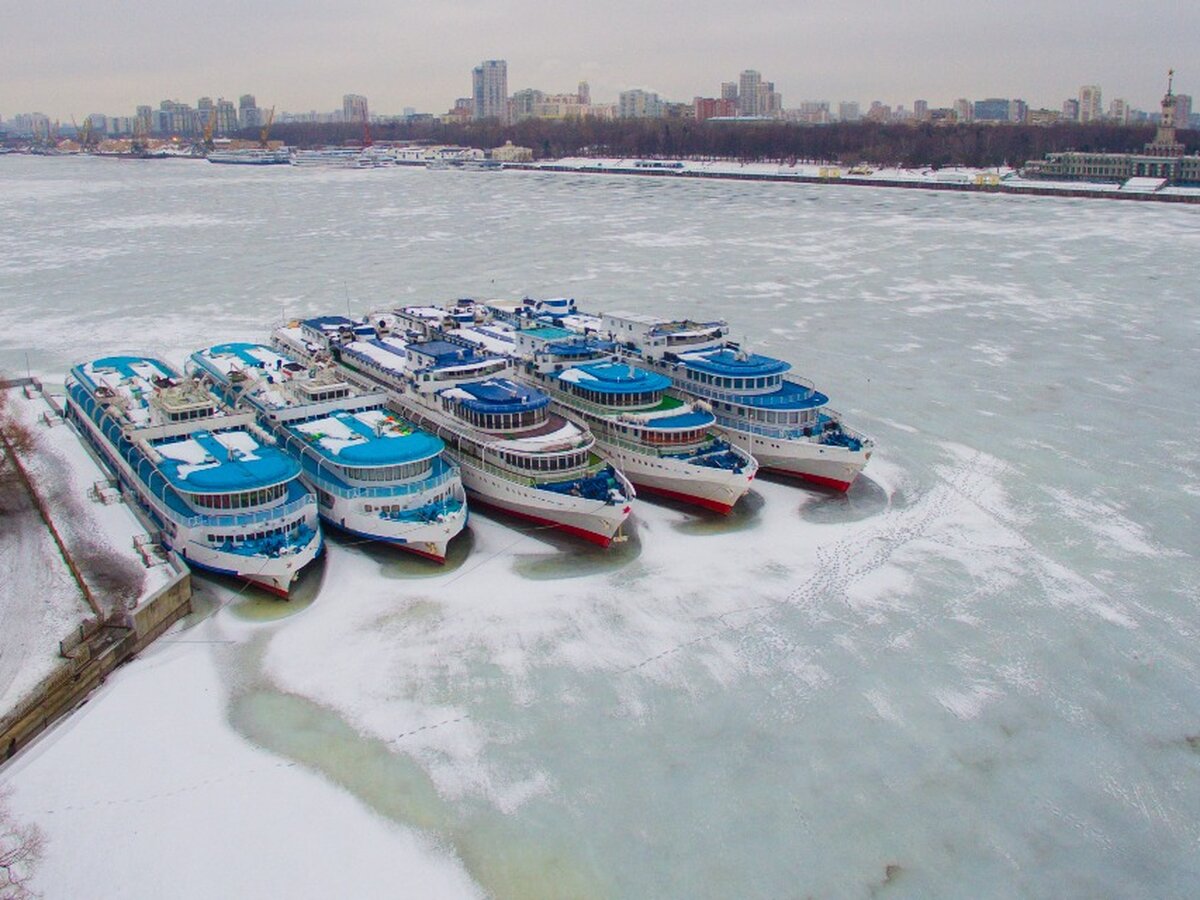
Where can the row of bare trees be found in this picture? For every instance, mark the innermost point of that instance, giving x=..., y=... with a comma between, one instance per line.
x=844, y=143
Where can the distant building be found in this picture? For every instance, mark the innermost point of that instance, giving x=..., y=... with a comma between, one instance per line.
x=729, y=91
x=994, y=109
x=639, y=104
x=584, y=92
x=1090, y=110
x=354, y=108
x=1018, y=111
x=848, y=111
x=1183, y=111
x=173, y=117
x=879, y=112
x=462, y=111
x=921, y=110
x=1118, y=112
x=810, y=112
x=489, y=81
x=227, y=117
x=119, y=125
x=962, y=109
x=510, y=153
x=770, y=101
x=1162, y=158
x=711, y=107
x=1070, y=110
x=748, y=94
x=524, y=102
x=249, y=115
x=1044, y=116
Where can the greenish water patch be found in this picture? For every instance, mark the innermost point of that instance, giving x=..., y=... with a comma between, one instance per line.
x=396, y=563
x=828, y=507
x=496, y=850
x=746, y=514
x=574, y=558
x=253, y=604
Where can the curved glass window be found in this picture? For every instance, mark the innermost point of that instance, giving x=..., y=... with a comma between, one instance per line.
x=241, y=500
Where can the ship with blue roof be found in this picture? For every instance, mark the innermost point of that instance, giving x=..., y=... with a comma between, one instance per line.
x=223, y=496
x=374, y=474
x=785, y=422
x=514, y=452
x=666, y=445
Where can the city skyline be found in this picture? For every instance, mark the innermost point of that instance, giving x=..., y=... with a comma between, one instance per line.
x=305, y=58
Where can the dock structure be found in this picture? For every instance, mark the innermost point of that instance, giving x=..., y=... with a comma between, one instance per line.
x=118, y=627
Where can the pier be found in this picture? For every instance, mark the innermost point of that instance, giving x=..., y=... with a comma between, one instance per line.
x=116, y=629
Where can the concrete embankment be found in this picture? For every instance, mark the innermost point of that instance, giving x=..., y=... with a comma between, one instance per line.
x=119, y=626
x=1023, y=189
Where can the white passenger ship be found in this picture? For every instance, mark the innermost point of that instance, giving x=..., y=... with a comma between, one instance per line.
x=785, y=423
x=375, y=475
x=665, y=445
x=514, y=453
x=222, y=496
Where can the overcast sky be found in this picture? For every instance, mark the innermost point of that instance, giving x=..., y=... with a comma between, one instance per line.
x=74, y=57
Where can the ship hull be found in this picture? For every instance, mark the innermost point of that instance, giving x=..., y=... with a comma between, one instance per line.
x=425, y=540
x=708, y=487
x=820, y=464
x=591, y=520
x=363, y=518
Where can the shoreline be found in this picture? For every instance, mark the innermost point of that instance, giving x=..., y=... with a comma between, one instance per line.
x=1089, y=190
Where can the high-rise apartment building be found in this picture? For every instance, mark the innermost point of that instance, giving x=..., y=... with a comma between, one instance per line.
x=848, y=111
x=354, y=108
x=921, y=110
x=489, y=81
x=1090, y=109
x=1183, y=110
x=1018, y=111
x=749, y=83
x=1118, y=112
x=962, y=109
x=249, y=115
x=1070, y=110
x=729, y=90
x=770, y=101
x=227, y=117
x=585, y=94
x=639, y=104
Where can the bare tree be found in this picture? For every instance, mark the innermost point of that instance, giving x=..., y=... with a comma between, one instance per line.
x=21, y=847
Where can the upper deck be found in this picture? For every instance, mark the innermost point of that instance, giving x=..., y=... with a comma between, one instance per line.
x=222, y=462
x=731, y=363
x=367, y=438
x=319, y=407
x=615, y=379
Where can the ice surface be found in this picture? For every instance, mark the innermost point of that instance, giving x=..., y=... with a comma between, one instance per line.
x=977, y=666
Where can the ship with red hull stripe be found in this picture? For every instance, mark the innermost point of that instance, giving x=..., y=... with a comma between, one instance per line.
x=514, y=452
x=784, y=422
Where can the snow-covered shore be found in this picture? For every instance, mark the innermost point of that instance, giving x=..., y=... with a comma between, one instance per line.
x=1001, y=178
x=148, y=792
x=40, y=602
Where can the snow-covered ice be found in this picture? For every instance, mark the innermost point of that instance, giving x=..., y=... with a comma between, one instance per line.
x=974, y=674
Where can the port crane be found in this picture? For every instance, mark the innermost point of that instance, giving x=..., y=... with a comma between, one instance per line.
x=206, y=141
x=88, y=139
x=266, y=129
